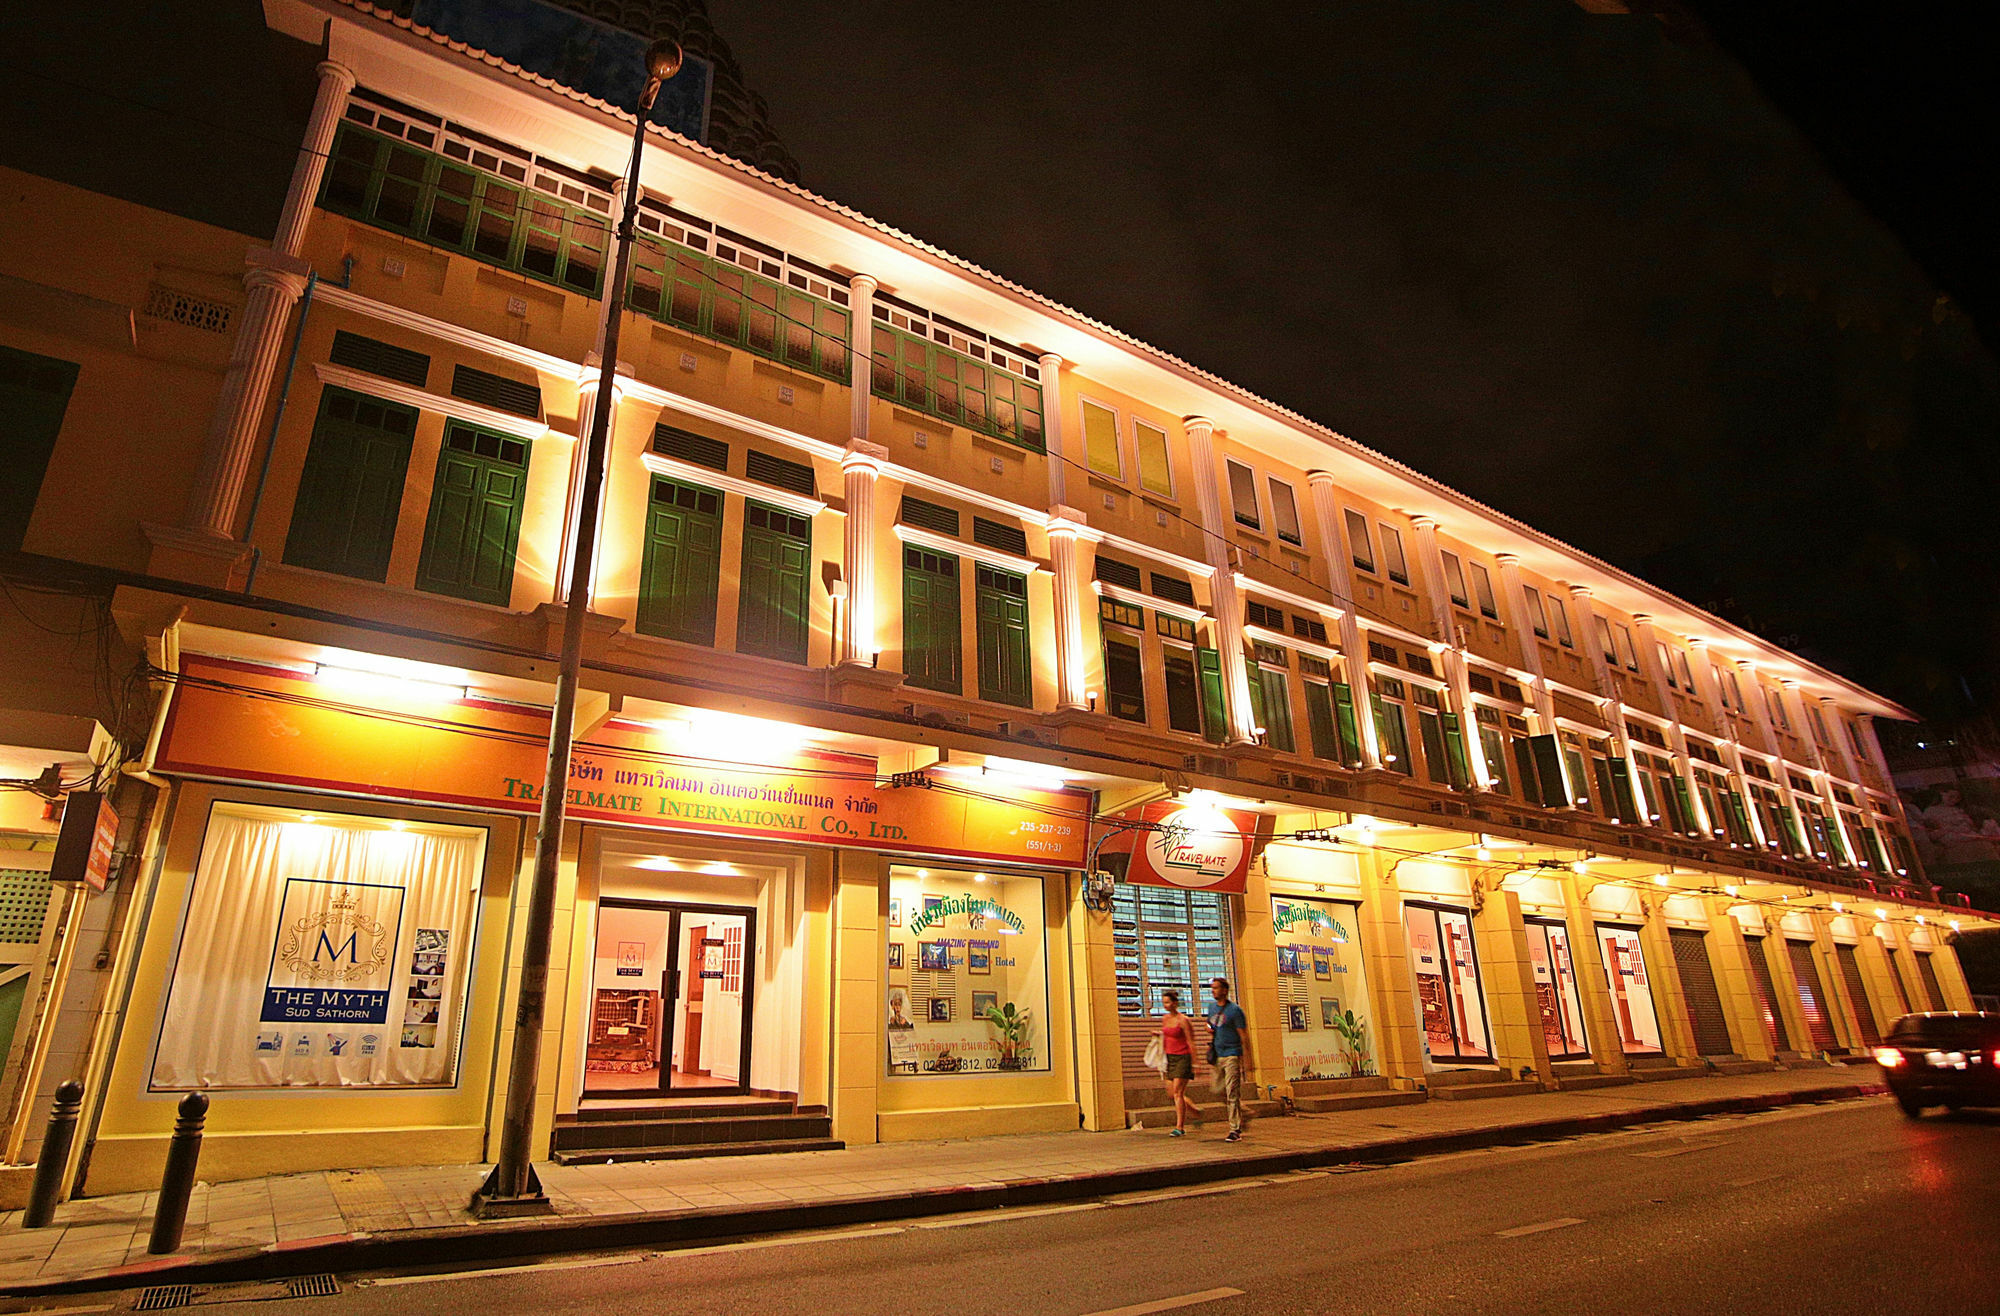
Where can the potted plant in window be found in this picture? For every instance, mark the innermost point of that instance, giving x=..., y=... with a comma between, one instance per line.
x=1013, y=1028
x=1354, y=1040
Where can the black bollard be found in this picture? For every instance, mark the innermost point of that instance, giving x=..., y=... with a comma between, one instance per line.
x=177, y=1184
x=54, y=1157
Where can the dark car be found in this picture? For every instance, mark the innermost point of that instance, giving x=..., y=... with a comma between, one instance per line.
x=1943, y=1059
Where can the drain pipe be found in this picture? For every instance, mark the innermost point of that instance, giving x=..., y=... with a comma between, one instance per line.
x=278, y=418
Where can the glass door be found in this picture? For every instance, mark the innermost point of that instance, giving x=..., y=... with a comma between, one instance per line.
x=671, y=999
x=1631, y=992
x=1556, y=990
x=1447, y=979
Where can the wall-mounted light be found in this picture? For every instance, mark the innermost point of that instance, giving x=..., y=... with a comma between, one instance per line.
x=1090, y=697
x=381, y=682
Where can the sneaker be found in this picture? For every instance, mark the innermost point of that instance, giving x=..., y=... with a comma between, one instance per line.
x=1233, y=1135
x=1177, y=1133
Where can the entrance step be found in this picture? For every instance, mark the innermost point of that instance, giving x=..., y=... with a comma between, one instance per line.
x=1585, y=1082
x=1333, y=1104
x=1662, y=1073
x=1506, y=1087
x=608, y=1156
x=1453, y=1078
x=1335, y=1087
x=1211, y=1112
x=1853, y=1059
x=674, y=1129
x=1738, y=1065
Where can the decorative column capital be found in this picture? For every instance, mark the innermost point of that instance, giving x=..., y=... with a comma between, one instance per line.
x=861, y=455
x=1422, y=522
x=1320, y=479
x=1696, y=642
x=1581, y=592
x=1051, y=361
x=1507, y=559
x=282, y=280
x=1198, y=423
x=336, y=73
x=864, y=283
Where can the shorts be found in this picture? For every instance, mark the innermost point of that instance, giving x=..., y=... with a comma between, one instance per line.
x=1180, y=1067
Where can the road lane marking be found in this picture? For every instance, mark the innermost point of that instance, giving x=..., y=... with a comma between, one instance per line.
x=1025, y=1213
x=1174, y=1194
x=1681, y=1150
x=783, y=1240
x=588, y=1263
x=1169, y=1304
x=1520, y=1231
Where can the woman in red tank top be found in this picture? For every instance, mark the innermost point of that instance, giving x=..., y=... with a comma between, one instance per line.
x=1177, y=1041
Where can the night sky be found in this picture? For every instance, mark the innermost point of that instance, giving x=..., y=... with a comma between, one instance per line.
x=1617, y=285
x=1590, y=275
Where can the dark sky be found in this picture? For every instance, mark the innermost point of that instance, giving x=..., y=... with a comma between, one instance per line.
x=1589, y=275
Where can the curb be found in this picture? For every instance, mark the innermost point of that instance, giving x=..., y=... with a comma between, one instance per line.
x=506, y=1240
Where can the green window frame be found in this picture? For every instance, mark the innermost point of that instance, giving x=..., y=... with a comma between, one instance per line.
x=728, y=304
x=34, y=396
x=422, y=195
x=1183, y=691
x=1583, y=793
x=938, y=381
x=933, y=638
x=1006, y=663
x=1124, y=678
x=1330, y=722
x=1527, y=770
x=1624, y=792
x=1547, y=754
x=1493, y=746
x=351, y=490
x=681, y=570
x=475, y=518
x=773, y=598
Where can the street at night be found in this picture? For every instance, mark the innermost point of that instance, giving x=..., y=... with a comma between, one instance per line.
x=1841, y=1209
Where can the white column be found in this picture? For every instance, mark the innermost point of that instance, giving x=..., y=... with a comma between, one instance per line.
x=1444, y=625
x=861, y=353
x=1610, y=706
x=1759, y=708
x=1353, y=648
x=1795, y=712
x=1702, y=668
x=1531, y=645
x=586, y=416
x=1431, y=559
x=274, y=281
x=1052, y=429
x=1066, y=526
x=1221, y=580
x=859, y=468
x=1836, y=729
x=1655, y=668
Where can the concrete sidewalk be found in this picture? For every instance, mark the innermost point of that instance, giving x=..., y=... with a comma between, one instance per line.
x=343, y=1220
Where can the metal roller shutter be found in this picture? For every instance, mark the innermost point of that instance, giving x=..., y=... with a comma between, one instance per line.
x=1767, y=996
x=1711, y=1027
x=1812, y=996
x=1857, y=992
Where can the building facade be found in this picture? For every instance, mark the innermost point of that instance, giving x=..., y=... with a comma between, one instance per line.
x=920, y=601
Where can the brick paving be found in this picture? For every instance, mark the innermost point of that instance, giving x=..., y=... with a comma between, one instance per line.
x=99, y=1237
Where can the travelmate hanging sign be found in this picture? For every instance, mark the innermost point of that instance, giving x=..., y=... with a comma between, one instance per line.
x=234, y=721
x=1195, y=847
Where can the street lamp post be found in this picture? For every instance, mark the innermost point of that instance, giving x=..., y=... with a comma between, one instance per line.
x=513, y=1188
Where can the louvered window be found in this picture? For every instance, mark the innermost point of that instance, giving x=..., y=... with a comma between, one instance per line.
x=995, y=534
x=1308, y=629
x=1263, y=614
x=695, y=449
x=379, y=358
x=497, y=391
x=1114, y=572
x=1173, y=589
x=779, y=473
x=928, y=516
x=1382, y=653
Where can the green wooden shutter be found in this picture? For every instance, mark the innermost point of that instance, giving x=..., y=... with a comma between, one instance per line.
x=1738, y=821
x=682, y=569
x=1622, y=794
x=1548, y=759
x=1681, y=805
x=772, y=609
x=1391, y=736
x=1582, y=790
x=475, y=518
x=34, y=394
x=1350, y=727
x=1437, y=763
x=933, y=644
x=1183, y=692
x=351, y=490
x=1272, y=689
x=1320, y=723
x=1494, y=747
x=1526, y=770
x=1454, y=751
x=1214, y=711
x=1000, y=599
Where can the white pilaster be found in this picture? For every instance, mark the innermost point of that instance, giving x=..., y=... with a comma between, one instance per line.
x=1353, y=648
x=1066, y=526
x=1515, y=589
x=860, y=357
x=329, y=102
x=860, y=467
x=1206, y=475
x=1054, y=437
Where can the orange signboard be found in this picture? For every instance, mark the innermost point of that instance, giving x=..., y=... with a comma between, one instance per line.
x=236, y=721
x=1192, y=847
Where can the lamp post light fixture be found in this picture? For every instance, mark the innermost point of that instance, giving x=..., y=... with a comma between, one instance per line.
x=513, y=1188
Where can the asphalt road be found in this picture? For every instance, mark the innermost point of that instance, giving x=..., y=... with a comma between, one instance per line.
x=1847, y=1208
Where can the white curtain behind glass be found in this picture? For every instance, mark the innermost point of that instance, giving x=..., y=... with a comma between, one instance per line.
x=212, y=1035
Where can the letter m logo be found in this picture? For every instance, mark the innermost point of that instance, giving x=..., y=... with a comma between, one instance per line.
x=349, y=949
